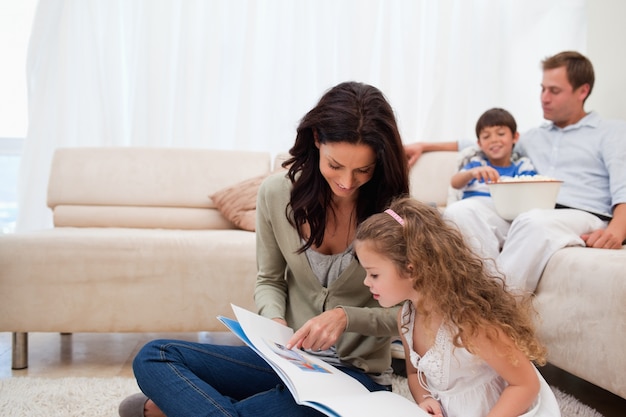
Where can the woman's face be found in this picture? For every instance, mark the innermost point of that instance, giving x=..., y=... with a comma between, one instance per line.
x=346, y=166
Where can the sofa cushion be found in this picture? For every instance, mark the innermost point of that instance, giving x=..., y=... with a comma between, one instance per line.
x=146, y=187
x=238, y=202
x=78, y=279
x=183, y=218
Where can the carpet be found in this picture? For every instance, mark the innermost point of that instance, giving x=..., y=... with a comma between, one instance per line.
x=99, y=397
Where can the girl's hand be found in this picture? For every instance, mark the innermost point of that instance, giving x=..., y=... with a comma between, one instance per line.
x=320, y=332
x=432, y=407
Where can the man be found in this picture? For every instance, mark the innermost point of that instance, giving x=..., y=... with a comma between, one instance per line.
x=581, y=149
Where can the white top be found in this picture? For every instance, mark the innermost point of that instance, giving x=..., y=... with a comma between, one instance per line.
x=464, y=384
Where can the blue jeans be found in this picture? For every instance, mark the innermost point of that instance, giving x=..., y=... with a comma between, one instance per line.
x=195, y=379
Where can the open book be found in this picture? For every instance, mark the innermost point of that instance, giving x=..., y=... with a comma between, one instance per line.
x=313, y=382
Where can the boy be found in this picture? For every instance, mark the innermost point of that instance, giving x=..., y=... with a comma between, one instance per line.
x=496, y=131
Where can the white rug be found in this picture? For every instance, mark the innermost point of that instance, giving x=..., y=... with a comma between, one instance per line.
x=99, y=397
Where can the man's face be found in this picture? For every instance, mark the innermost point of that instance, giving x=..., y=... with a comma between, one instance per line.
x=560, y=102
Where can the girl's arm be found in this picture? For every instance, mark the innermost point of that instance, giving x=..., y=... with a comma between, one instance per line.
x=420, y=395
x=512, y=365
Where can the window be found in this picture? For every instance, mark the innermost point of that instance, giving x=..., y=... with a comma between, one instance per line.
x=10, y=152
x=15, y=26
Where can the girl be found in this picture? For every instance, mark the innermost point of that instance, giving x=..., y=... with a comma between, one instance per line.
x=469, y=342
x=347, y=163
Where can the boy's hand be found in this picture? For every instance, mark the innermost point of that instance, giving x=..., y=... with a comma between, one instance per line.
x=485, y=173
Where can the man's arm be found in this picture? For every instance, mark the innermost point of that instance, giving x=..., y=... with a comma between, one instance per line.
x=613, y=236
x=416, y=149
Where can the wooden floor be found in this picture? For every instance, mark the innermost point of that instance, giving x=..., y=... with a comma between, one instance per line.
x=110, y=354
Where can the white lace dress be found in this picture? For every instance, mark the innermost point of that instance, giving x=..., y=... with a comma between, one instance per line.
x=464, y=384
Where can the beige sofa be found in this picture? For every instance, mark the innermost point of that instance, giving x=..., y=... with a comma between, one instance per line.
x=138, y=246
x=173, y=262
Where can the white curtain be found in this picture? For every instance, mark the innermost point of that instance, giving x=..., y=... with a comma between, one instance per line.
x=239, y=74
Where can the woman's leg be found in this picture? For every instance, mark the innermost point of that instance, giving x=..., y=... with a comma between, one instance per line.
x=194, y=379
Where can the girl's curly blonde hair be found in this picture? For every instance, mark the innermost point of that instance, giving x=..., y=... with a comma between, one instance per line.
x=448, y=274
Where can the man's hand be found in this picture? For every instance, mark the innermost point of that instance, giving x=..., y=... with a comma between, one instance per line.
x=413, y=152
x=603, y=239
x=320, y=332
x=614, y=234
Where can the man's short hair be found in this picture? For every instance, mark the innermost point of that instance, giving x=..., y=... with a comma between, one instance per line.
x=577, y=66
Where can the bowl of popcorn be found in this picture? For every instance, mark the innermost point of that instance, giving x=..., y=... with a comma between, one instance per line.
x=515, y=195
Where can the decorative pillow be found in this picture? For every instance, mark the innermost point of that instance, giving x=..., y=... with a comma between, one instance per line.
x=238, y=202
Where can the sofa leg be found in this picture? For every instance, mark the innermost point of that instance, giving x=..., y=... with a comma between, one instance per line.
x=20, y=350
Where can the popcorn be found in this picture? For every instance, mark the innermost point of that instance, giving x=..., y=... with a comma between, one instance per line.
x=527, y=178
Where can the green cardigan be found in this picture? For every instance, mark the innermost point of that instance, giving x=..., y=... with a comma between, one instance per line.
x=287, y=288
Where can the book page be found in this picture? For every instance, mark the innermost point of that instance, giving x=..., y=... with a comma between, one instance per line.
x=312, y=381
x=308, y=375
x=374, y=404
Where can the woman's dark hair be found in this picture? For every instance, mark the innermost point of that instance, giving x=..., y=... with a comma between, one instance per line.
x=354, y=113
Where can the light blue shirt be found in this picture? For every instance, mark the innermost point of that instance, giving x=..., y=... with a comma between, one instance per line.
x=589, y=157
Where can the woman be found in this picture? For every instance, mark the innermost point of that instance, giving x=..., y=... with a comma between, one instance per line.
x=347, y=163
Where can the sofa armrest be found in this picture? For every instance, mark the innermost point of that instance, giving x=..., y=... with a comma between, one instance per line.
x=430, y=177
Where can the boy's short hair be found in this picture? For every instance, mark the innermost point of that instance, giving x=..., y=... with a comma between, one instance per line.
x=496, y=117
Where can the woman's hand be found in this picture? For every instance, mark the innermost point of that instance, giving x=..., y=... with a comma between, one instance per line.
x=280, y=321
x=432, y=407
x=320, y=332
